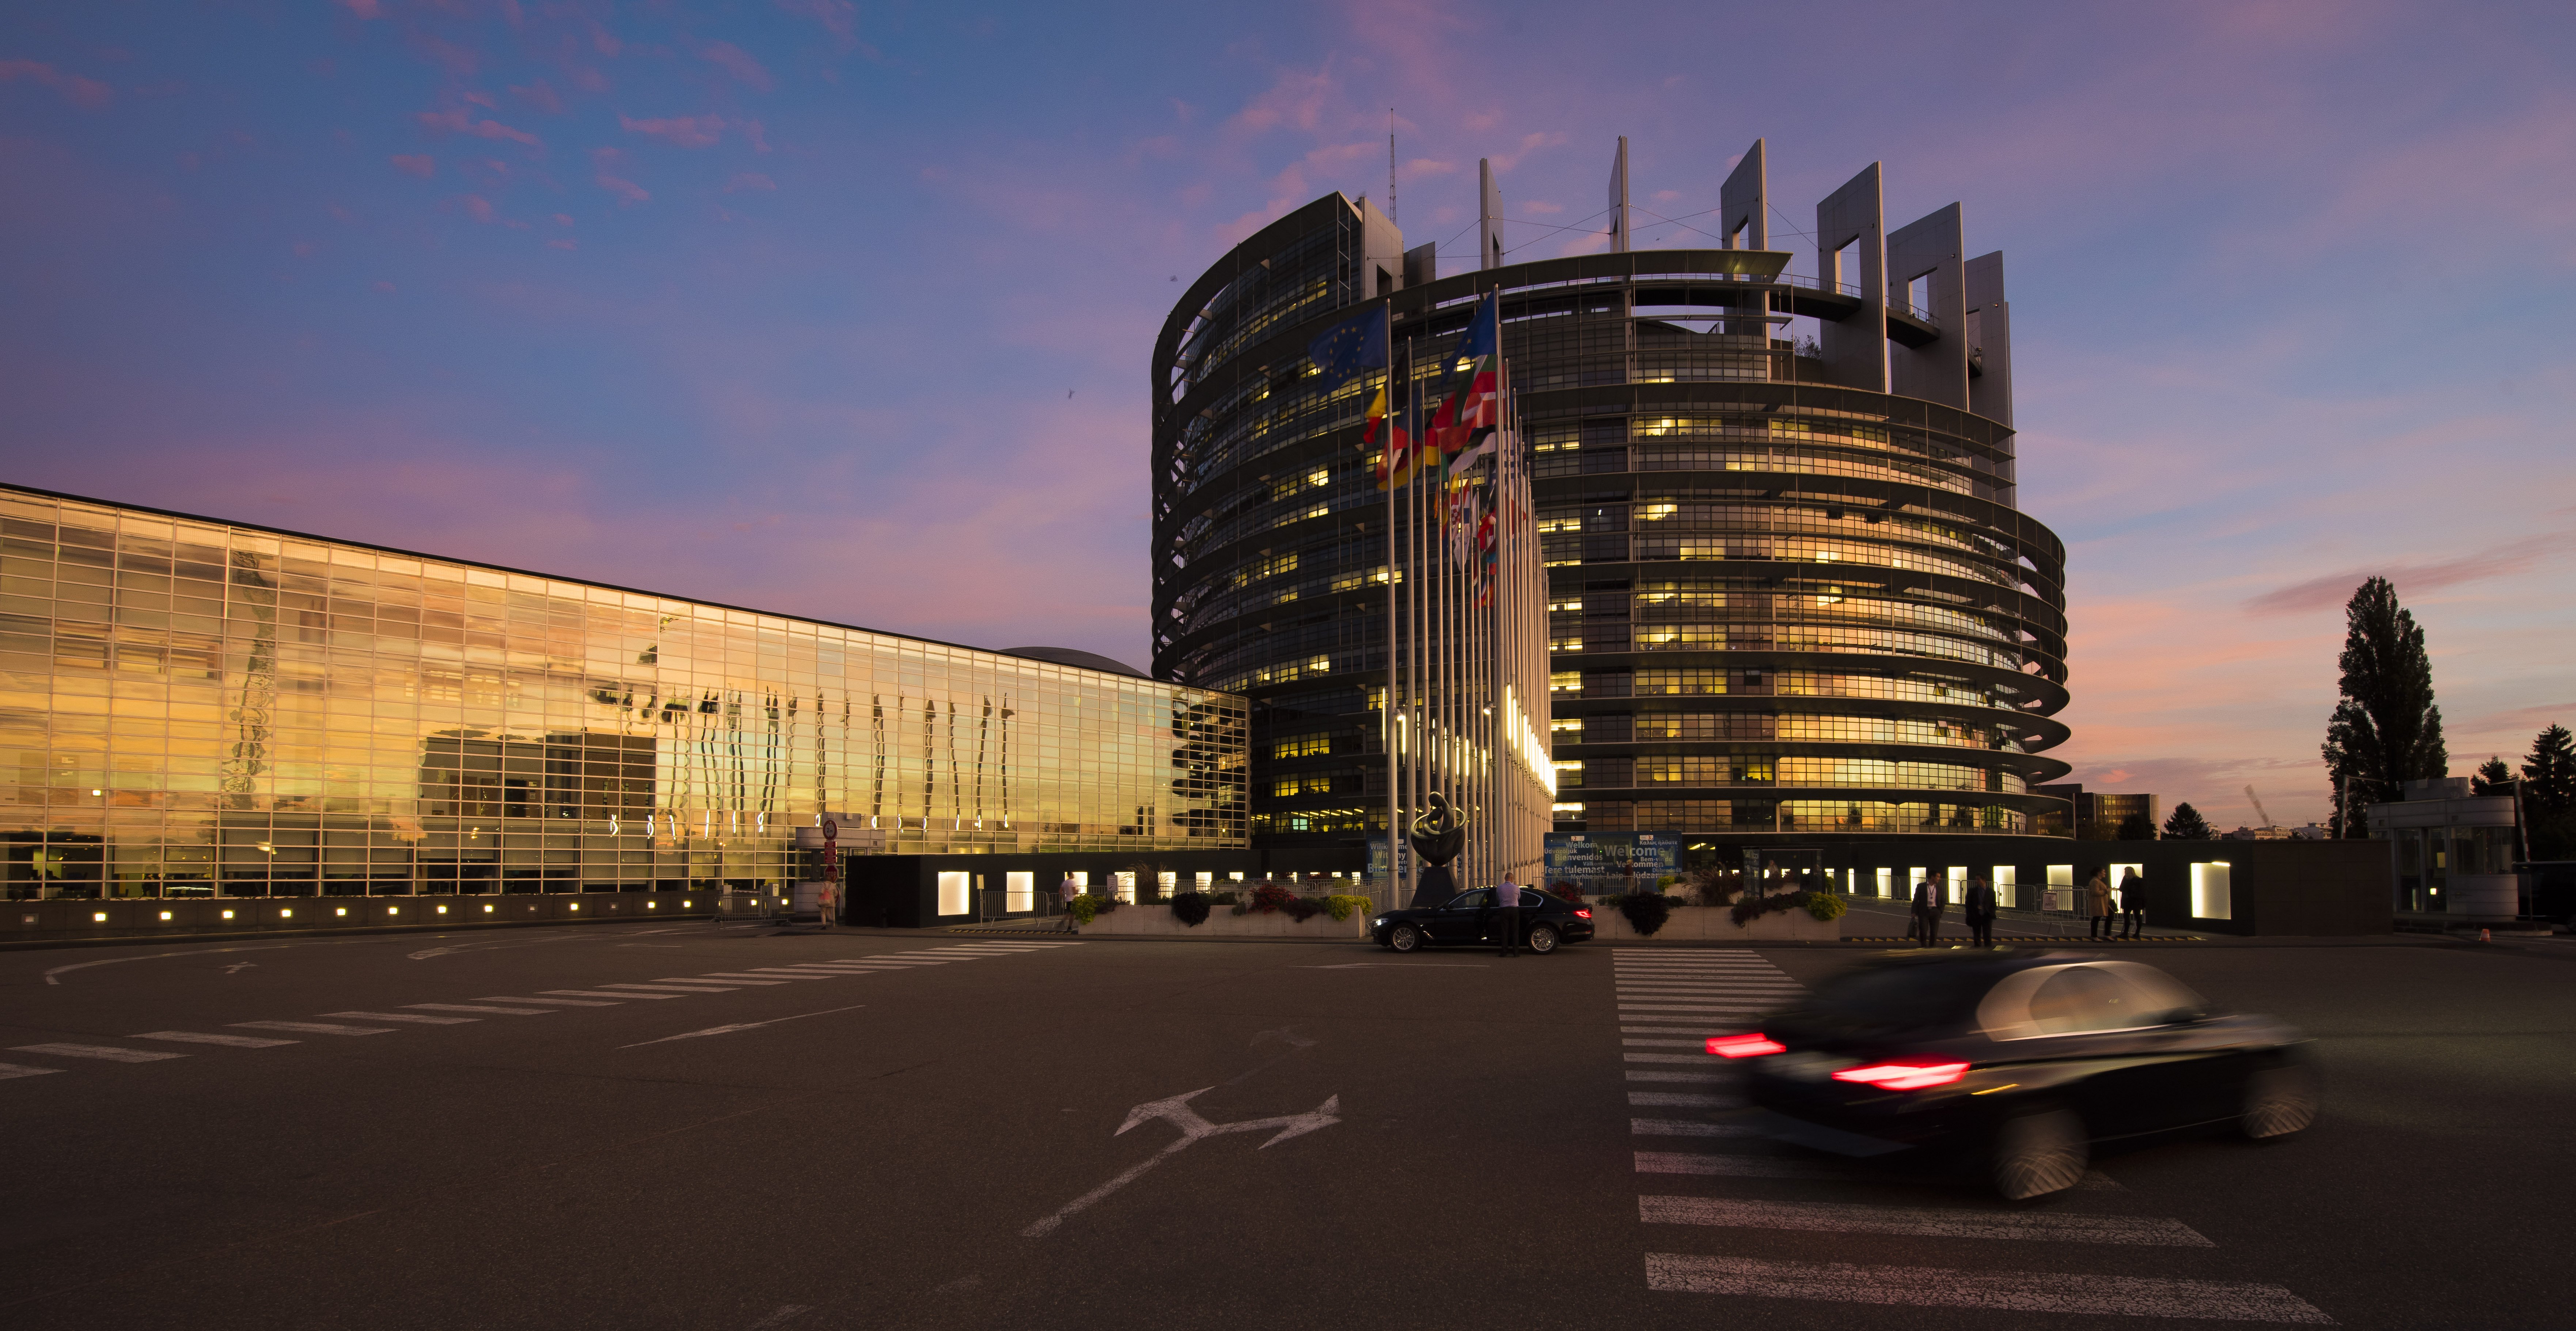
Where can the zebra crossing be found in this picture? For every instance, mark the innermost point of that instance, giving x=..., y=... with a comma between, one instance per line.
x=549, y=1002
x=1713, y=1177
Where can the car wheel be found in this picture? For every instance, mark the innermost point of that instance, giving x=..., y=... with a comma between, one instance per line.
x=1542, y=938
x=2039, y=1154
x=1405, y=938
x=2278, y=1102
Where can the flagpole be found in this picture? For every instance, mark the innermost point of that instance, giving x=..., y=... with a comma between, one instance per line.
x=1386, y=696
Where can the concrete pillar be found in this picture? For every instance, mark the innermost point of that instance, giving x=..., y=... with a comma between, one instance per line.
x=1744, y=203
x=1855, y=349
x=1989, y=338
x=1930, y=247
x=1422, y=264
x=1382, y=249
x=1619, y=199
x=1489, y=217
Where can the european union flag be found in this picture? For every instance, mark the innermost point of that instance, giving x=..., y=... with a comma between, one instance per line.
x=1348, y=348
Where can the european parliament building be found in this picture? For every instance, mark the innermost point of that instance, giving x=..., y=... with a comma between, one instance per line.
x=200, y=711
x=1791, y=594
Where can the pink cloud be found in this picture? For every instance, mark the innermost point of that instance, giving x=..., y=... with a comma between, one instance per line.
x=754, y=134
x=604, y=41
x=540, y=95
x=736, y=61
x=477, y=207
x=563, y=219
x=627, y=191
x=456, y=121
x=419, y=165
x=385, y=287
x=561, y=245
x=81, y=92
x=364, y=8
x=678, y=131
x=749, y=180
x=459, y=61
x=2334, y=589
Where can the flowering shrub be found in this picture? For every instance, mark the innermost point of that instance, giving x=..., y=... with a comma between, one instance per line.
x=1267, y=897
x=1342, y=905
x=1568, y=889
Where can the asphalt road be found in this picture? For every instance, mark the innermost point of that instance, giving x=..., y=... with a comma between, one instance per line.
x=926, y=1133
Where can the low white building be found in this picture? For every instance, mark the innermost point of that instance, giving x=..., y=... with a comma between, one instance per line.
x=2451, y=853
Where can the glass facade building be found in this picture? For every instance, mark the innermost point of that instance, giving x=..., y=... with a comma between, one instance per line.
x=195, y=708
x=1790, y=591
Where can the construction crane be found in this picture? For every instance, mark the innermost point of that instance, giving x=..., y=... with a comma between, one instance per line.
x=2258, y=807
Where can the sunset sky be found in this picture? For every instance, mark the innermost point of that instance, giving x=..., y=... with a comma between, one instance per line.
x=845, y=310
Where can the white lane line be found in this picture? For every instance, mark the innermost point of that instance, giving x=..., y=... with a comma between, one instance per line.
x=1693, y=1007
x=1682, y=1100
x=2015, y=1291
x=416, y=1018
x=472, y=1007
x=1701, y=1059
x=1751, y=990
x=1704, y=1078
x=108, y=1052
x=9, y=1070
x=550, y=1002
x=1756, y=1166
x=1919, y=1221
x=310, y=1027
x=740, y=1026
x=201, y=1037
x=907, y=959
x=1633, y=1042
x=594, y=993
x=665, y=990
x=730, y=978
x=1683, y=1127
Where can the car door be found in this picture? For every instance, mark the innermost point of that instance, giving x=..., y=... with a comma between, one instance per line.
x=1463, y=919
x=2140, y=1072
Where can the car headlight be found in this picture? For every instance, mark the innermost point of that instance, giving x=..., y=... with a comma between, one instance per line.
x=1378, y=921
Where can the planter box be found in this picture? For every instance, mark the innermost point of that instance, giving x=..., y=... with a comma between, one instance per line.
x=1222, y=922
x=1712, y=924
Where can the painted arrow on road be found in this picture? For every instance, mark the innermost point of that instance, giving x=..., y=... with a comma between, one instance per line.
x=1194, y=1127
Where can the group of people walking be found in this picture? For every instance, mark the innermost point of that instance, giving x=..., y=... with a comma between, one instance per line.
x=2128, y=902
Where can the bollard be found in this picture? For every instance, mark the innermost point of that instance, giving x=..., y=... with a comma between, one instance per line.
x=2482, y=937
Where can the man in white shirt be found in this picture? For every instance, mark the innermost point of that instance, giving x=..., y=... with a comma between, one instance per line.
x=1067, y=891
x=1507, y=913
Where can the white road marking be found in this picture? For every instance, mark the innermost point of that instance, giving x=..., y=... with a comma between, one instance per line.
x=1723, y=1009
x=1684, y=1127
x=739, y=979
x=471, y=1007
x=1634, y=1043
x=740, y=1026
x=311, y=1027
x=1758, y=1166
x=55, y=975
x=108, y=1052
x=9, y=1070
x=669, y=988
x=594, y=993
x=554, y=1002
x=1711, y=1078
x=2016, y=1291
x=1701, y=1059
x=201, y=1037
x=780, y=1317
x=1682, y=1100
x=1920, y=1221
x=416, y=1018
x=1194, y=1127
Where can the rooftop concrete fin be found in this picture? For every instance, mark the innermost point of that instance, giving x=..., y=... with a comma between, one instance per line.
x=1619, y=199
x=1851, y=256
x=1930, y=249
x=1489, y=217
x=1744, y=203
x=1989, y=339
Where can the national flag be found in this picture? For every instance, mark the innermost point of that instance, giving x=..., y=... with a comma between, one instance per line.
x=1397, y=459
x=1475, y=409
x=1349, y=347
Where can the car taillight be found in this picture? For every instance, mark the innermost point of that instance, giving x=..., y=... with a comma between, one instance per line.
x=1903, y=1074
x=1751, y=1045
x=1583, y=914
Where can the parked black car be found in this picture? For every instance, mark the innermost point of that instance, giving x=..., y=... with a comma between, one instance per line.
x=1546, y=920
x=2015, y=1064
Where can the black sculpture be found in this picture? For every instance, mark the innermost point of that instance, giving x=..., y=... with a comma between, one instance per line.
x=1437, y=836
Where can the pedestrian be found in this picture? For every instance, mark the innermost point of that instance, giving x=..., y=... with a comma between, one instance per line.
x=2133, y=904
x=1927, y=913
x=1980, y=902
x=1068, y=889
x=1507, y=913
x=2097, y=903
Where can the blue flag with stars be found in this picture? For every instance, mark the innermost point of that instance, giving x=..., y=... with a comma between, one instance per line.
x=1350, y=347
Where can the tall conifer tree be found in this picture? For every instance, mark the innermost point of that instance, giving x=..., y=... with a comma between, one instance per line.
x=2392, y=732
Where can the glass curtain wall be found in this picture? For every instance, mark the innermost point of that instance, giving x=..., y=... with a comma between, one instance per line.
x=191, y=708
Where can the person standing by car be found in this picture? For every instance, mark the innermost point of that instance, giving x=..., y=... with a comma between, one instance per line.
x=1066, y=891
x=1507, y=914
x=2133, y=905
x=2097, y=903
x=1927, y=913
x=1980, y=910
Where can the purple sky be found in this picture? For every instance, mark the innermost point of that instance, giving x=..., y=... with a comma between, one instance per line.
x=844, y=310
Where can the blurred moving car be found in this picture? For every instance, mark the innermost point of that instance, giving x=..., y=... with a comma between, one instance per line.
x=2015, y=1064
x=1546, y=921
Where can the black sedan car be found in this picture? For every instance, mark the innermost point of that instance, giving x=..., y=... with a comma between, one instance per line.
x=2015, y=1064
x=1545, y=921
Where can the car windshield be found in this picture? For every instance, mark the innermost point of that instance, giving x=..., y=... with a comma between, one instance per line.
x=1895, y=998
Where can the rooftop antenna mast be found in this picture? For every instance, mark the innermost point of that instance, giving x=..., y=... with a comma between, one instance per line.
x=1390, y=164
